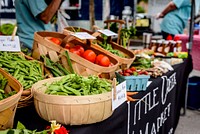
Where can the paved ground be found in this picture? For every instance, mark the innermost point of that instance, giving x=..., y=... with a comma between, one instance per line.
x=190, y=123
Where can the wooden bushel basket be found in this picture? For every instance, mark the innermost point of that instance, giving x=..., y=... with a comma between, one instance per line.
x=8, y=106
x=71, y=110
x=42, y=46
x=125, y=62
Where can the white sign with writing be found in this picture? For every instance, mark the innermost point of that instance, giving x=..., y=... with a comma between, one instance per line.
x=83, y=35
x=119, y=96
x=107, y=32
x=7, y=44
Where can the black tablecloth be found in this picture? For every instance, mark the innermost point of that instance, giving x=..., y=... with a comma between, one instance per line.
x=157, y=111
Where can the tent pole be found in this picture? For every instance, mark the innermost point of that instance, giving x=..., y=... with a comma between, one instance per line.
x=191, y=32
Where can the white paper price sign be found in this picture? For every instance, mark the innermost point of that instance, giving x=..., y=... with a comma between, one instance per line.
x=83, y=35
x=120, y=95
x=6, y=44
x=107, y=32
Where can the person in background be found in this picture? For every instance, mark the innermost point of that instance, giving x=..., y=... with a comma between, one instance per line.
x=175, y=17
x=33, y=16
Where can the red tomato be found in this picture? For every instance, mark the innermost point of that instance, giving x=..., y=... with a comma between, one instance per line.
x=67, y=46
x=98, y=58
x=75, y=51
x=102, y=60
x=143, y=72
x=89, y=55
x=55, y=40
x=120, y=72
x=128, y=71
x=79, y=48
x=133, y=69
x=126, y=74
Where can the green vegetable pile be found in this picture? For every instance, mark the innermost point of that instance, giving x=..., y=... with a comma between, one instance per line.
x=7, y=29
x=77, y=85
x=142, y=63
x=125, y=35
x=181, y=55
x=27, y=72
x=3, y=83
x=55, y=67
x=21, y=129
x=108, y=47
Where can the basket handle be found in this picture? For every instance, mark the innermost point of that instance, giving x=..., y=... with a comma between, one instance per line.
x=67, y=39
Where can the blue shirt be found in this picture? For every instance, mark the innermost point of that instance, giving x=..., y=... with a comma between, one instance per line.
x=27, y=22
x=175, y=21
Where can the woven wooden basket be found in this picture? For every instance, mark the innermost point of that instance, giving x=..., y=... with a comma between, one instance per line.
x=26, y=98
x=8, y=106
x=42, y=46
x=125, y=62
x=71, y=110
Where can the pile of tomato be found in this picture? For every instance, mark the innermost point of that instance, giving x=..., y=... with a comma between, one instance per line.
x=88, y=54
x=132, y=71
x=55, y=40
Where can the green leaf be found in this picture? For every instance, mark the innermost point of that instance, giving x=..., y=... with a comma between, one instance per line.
x=20, y=125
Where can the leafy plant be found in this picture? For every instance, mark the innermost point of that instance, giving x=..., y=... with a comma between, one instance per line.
x=140, y=9
x=125, y=35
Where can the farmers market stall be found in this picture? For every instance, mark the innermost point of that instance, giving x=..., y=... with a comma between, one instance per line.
x=157, y=109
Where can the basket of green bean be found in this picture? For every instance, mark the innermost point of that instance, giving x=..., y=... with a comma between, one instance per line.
x=73, y=99
x=25, y=69
x=10, y=93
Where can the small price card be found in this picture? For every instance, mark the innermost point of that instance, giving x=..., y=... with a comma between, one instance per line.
x=119, y=96
x=107, y=32
x=83, y=35
x=7, y=44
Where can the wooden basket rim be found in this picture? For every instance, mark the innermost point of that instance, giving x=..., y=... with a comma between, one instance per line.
x=66, y=99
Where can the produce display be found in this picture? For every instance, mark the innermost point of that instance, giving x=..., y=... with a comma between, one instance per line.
x=27, y=72
x=142, y=62
x=132, y=71
x=181, y=55
x=123, y=55
x=77, y=85
x=78, y=79
x=3, y=93
x=104, y=44
x=87, y=54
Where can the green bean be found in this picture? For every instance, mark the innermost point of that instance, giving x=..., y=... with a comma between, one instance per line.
x=76, y=92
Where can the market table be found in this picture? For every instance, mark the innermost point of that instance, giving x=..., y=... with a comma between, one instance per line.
x=157, y=110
